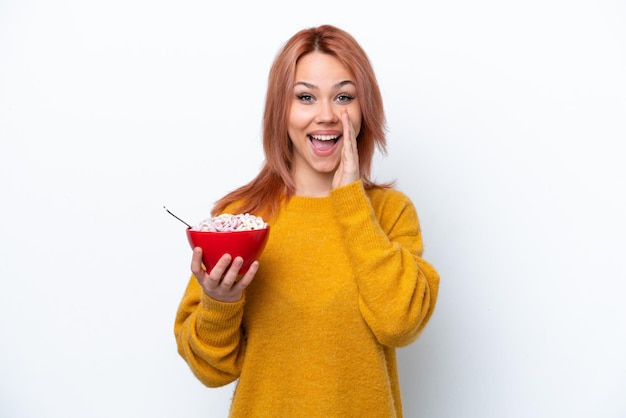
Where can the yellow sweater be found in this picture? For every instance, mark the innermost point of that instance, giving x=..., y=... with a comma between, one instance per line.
x=341, y=284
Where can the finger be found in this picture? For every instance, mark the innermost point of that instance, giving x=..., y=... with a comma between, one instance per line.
x=350, y=156
x=349, y=134
x=233, y=271
x=247, y=278
x=196, y=262
x=347, y=131
x=217, y=272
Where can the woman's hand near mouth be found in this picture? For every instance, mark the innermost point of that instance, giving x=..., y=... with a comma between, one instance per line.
x=348, y=170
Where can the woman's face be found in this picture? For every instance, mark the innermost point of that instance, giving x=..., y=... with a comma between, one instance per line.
x=323, y=87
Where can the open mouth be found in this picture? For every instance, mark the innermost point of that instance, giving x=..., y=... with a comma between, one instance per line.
x=323, y=142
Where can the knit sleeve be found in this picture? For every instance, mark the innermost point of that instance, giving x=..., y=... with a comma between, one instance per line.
x=397, y=287
x=209, y=336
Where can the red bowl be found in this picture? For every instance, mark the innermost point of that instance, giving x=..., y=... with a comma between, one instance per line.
x=245, y=244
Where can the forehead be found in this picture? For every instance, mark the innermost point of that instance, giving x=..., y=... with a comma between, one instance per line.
x=317, y=67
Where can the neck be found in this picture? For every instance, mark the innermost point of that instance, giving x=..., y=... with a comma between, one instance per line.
x=317, y=185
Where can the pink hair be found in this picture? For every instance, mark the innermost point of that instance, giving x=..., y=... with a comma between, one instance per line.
x=274, y=183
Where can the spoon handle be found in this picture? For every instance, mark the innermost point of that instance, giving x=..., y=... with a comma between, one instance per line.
x=189, y=226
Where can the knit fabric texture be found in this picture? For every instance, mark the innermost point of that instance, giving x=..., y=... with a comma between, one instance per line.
x=341, y=285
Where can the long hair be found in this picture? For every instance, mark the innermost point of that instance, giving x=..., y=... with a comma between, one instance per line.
x=274, y=183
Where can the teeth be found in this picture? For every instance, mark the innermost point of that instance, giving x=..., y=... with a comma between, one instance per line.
x=324, y=137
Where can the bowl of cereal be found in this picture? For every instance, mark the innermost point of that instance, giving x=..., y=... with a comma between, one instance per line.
x=241, y=235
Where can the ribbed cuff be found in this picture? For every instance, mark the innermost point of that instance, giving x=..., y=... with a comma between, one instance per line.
x=220, y=311
x=350, y=198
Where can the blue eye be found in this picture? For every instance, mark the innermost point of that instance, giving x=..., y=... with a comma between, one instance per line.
x=345, y=98
x=305, y=97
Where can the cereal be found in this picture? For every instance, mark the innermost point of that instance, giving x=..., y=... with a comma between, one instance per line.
x=227, y=222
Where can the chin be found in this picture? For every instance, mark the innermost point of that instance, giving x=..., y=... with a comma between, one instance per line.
x=326, y=168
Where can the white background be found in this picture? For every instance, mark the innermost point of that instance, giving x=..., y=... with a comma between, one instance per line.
x=506, y=127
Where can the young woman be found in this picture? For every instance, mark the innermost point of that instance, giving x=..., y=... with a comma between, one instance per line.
x=311, y=329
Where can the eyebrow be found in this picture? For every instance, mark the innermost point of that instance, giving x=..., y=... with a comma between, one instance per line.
x=313, y=86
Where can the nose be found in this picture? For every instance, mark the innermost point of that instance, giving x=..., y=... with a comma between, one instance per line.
x=326, y=113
